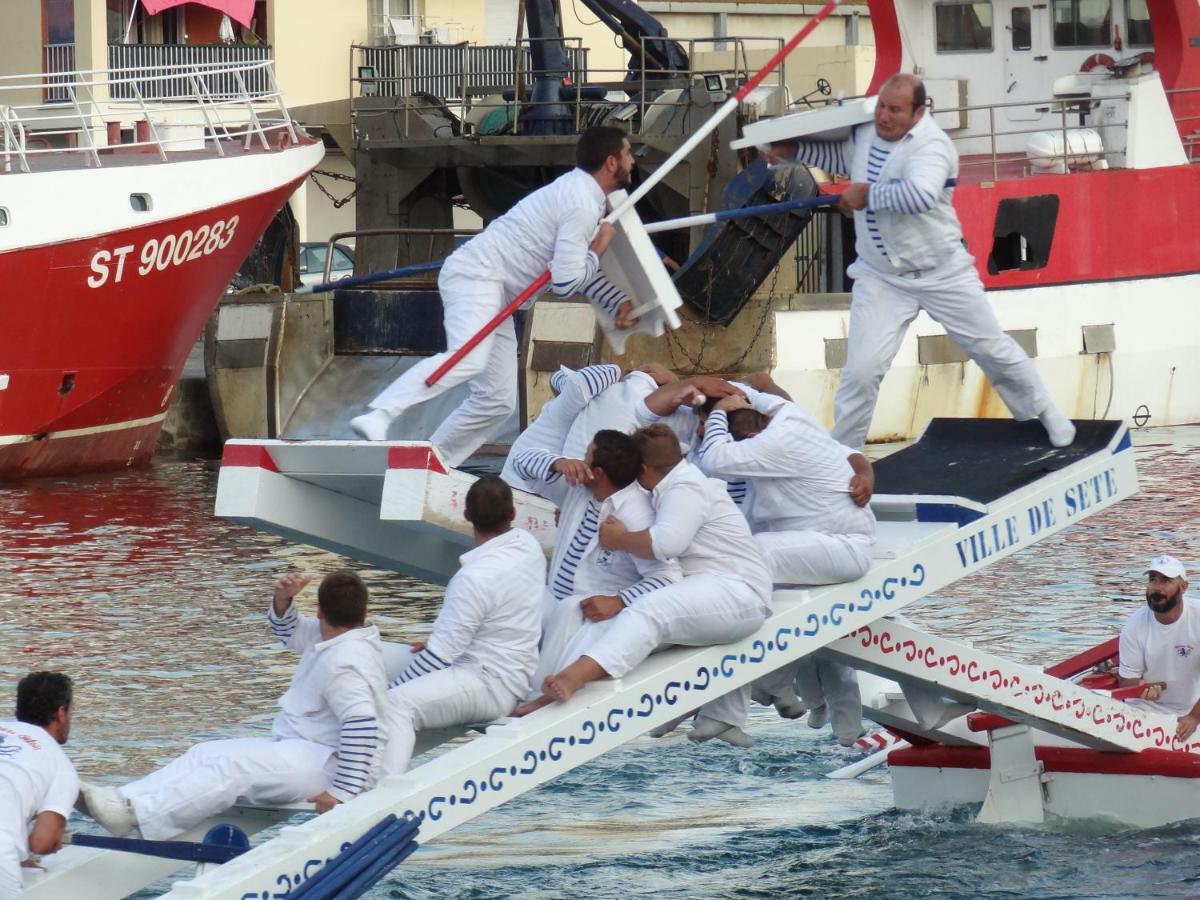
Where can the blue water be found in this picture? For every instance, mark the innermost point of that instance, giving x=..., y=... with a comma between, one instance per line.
x=128, y=583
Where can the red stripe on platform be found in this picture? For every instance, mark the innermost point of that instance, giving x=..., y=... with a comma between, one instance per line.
x=253, y=456
x=1167, y=763
x=415, y=458
x=1088, y=659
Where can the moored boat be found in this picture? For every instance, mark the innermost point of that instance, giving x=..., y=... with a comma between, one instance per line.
x=113, y=255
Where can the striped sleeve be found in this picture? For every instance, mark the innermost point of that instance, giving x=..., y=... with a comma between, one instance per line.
x=535, y=465
x=293, y=630
x=645, y=586
x=604, y=294
x=901, y=196
x=825, y=155
x=283, y=627
x=593, y=379
x=358, y=746
x=716, y=431
x=737, y=492
x=424, y=663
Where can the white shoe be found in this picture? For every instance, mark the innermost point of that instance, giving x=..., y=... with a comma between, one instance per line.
x=372, y=426
x=109, y=808
x=706, y=729
x=1060, y=429
x=818, y=716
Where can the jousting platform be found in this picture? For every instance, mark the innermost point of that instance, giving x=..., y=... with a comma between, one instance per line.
x=968, y=494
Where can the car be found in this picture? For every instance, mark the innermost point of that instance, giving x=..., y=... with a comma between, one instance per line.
x=312, y=263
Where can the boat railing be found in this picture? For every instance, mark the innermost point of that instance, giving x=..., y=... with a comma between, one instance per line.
x=416, y=245
x=465, y=81
x=171, y=107
x=1188, y=124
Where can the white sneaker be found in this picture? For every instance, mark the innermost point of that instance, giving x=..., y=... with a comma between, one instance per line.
x=109, y=808
x=372, y=426
x=818, y=716
x=706, y=729
x=1060, y=429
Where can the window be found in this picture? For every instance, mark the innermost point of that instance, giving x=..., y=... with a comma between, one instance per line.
x=963, y=27
x=3, y=216
x=140, y=202
x=1137, y=24
x=1082, y=23
x=1023, y=233
x=1021, y=28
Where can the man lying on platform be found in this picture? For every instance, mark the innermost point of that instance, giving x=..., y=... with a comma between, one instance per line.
x=806, y=523
x=724, y=595
x=325, y=742
x=478, y=661
x=1160, y=647
x=588, y=586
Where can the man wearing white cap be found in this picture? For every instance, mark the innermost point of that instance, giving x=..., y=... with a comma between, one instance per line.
x=1160, y=647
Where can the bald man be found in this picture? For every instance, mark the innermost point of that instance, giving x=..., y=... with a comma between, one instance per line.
x=911, y=257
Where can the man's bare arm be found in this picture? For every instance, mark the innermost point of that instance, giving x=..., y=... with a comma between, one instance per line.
x=47, y=834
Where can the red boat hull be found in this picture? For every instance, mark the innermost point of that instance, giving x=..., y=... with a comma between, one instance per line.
x=98, y=330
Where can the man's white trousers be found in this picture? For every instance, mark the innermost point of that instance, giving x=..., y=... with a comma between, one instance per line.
x=490, y=369
x=10, y=869
x=882, y=308
x=813, y=557
x=210, y=777
x=456, y=695
x=699, y=611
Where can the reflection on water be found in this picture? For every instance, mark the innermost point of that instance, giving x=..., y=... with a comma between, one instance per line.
x=128, y=583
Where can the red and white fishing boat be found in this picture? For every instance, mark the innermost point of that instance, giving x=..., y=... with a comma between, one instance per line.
x=113, y=255
x=1078, y=127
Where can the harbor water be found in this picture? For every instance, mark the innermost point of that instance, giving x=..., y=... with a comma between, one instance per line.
x=156, y=608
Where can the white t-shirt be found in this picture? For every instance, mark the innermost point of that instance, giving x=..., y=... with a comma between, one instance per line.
x=35, y=777
x=1152, y=651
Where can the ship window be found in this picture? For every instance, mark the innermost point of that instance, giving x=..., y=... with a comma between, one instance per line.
x=1023, y=233
x=3, y=216
x=141, y=202
x=1021, y=28
x=1137, y=24
x=1082, y=23
x=963, y=27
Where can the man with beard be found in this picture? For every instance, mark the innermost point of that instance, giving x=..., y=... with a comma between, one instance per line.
x=1160, y=647
x=557, y=227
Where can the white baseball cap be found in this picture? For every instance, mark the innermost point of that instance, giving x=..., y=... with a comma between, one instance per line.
x=1167, y=565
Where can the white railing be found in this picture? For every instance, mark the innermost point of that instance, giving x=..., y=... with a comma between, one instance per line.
x=206, y=106
x=58, y=63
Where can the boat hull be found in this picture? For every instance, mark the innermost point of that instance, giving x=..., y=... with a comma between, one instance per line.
x=99, y=326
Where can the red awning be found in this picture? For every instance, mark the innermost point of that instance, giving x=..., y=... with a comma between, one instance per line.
x=239, y=10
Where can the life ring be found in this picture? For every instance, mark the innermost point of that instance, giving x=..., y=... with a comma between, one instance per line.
x=1097, y=60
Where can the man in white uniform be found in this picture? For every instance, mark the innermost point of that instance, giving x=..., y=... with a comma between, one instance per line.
x=807, y=525
x=573, y=390
x=588, y=584
x=38, y=784
x=478, y=661
x=911, y=258
x=725, y=593
x=325, y=742
x=1160, y=647
x=553, y=228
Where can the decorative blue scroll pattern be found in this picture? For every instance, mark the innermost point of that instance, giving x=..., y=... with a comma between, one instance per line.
x=617, y=717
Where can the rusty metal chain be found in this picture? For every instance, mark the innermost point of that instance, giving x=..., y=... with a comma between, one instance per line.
x=338, y=176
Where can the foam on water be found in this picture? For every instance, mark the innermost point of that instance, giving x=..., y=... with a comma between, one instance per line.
x=128, y=583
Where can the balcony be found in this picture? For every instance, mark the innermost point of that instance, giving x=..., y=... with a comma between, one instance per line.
x=164, y=70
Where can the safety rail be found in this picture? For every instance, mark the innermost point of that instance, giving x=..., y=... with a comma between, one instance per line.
x=200, y=106
x=58, y=60
x=464, y=78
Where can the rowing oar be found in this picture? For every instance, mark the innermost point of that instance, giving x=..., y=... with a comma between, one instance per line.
x=867, y=763
x=658, y=175
x=372, y=278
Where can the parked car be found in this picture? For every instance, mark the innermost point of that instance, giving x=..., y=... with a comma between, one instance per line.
x=312, y=263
